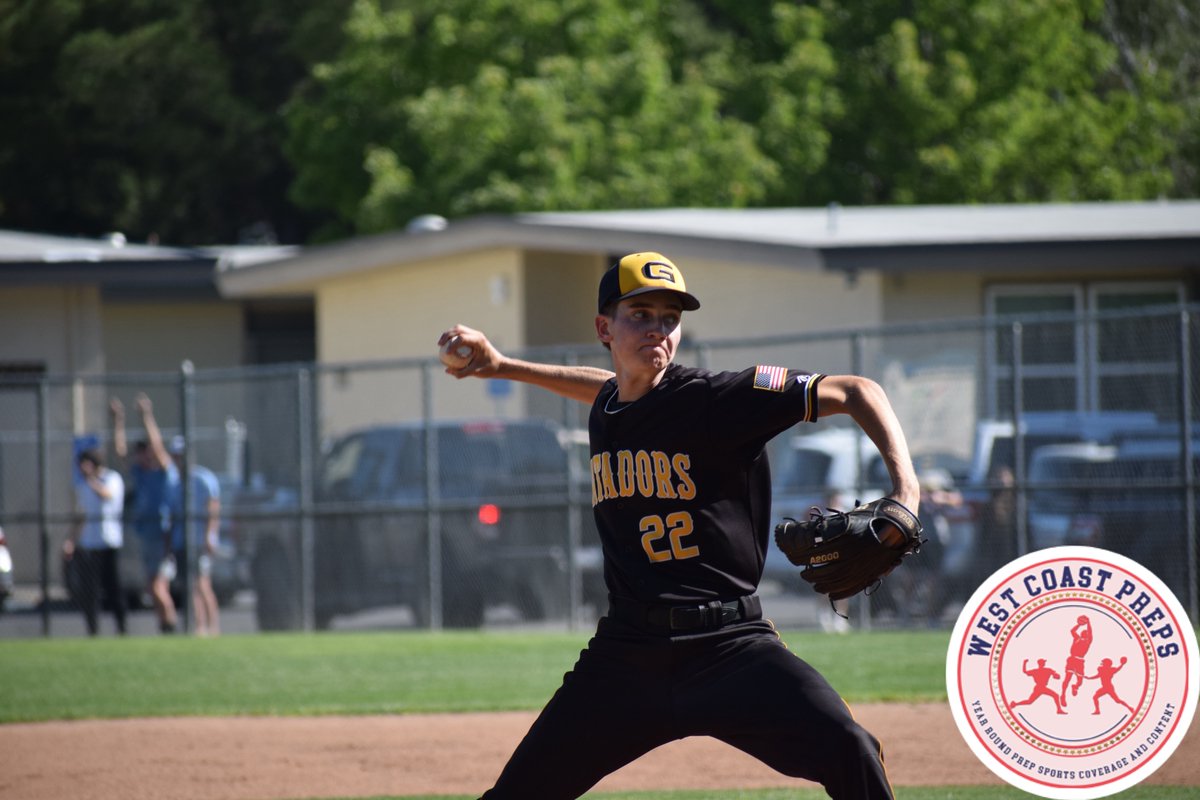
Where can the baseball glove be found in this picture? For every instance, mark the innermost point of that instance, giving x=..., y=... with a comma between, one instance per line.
x=846, y=552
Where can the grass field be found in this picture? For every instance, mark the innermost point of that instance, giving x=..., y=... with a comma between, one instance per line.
x=378, y=673
x=375, y=673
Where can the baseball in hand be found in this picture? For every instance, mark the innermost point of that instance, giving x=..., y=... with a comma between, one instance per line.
x=454, y=354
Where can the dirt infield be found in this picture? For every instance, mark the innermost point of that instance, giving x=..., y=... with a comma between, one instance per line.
x=254, y=758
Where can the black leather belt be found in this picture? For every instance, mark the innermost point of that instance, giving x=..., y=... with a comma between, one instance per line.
x=700, y=616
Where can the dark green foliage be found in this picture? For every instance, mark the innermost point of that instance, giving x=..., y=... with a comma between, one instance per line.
x=216, y=121
x=153, y=117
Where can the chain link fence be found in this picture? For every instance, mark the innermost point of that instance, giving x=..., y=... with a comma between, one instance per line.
x=351, y=490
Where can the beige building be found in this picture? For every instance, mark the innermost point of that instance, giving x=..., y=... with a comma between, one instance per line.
x=102, y=307
x=529, y=280
x=71, y=306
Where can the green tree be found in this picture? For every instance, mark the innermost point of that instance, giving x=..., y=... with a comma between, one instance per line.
x=990, y=101
x=1162, y=38
x=153, y=117
x=466, y=106
x=214, y=120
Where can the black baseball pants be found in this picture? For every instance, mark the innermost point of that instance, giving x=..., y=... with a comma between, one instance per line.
x=631, y=692
x=99, y=568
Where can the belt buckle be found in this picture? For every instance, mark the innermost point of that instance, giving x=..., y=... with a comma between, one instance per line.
x=684, y=618
x=713, y=614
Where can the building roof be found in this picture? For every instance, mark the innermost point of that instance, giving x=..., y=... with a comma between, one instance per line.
x=31, y=248
x=117, y=265
x=891, y=238
x=839, y=227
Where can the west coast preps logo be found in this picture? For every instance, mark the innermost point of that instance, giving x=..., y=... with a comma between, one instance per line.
x=1072, y=673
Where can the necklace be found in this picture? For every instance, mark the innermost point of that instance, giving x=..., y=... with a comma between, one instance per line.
x=611, y=408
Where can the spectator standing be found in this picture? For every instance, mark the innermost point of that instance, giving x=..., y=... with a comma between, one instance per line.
x=154, y=477
x=999, y=521
x=95, y=543
x=205, y=502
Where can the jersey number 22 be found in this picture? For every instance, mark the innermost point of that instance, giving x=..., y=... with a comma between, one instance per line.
x=676, y=526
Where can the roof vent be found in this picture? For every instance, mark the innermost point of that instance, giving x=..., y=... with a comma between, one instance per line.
x=426, y=223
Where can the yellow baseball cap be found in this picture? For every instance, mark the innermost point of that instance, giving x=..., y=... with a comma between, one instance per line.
x=639, y=273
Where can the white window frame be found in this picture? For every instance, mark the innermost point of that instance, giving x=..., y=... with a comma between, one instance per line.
x=996, y=372
x=1101, y=369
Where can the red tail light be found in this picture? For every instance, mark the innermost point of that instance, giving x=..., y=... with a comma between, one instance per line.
x=489, y=514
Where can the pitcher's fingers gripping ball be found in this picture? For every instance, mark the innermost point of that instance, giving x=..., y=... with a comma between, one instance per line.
x=466, y=352
x=455, y=353
x=845, y=552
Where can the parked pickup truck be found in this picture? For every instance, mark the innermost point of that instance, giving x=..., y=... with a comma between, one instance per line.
x=504, y=513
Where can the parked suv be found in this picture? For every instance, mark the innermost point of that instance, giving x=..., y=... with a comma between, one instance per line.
x=6, y=571
x=1128, y=498
x=990, y=490
x=995, y=448
x=501, y=497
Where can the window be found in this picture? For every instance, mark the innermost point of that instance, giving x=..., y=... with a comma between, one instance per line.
x=1109, y=363
x=1135, y=360
x=1051, y=351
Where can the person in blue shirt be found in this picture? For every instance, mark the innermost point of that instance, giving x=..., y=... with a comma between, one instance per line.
x=205, y=502
x=153, y=478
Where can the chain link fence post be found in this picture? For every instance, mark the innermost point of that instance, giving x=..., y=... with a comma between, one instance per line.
x=858, y=367
x=187, y=405
x=574, y=532
x=433, y=516
x=1019, y=471
x=304, y=431
x=1188, y=470
x=43, y=497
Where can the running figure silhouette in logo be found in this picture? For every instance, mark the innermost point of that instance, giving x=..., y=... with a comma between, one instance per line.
x=1104, y=673
x=1081, y=641
x=1041, y=685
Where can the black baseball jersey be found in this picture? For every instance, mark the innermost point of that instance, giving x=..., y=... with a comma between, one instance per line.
x=681, y=487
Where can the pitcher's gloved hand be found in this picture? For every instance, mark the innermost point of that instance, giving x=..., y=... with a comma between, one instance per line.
x=843, y=553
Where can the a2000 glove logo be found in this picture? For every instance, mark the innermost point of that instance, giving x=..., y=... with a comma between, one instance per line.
x=1072, y=673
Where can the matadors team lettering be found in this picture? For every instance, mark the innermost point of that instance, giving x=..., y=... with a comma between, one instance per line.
x=647, y=473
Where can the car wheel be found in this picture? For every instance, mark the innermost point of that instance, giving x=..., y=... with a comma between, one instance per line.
x=530, y=602
x=420, y=609
x=463, y=608
x=278, y=602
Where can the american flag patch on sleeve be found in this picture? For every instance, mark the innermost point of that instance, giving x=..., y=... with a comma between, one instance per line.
x=771, y=379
